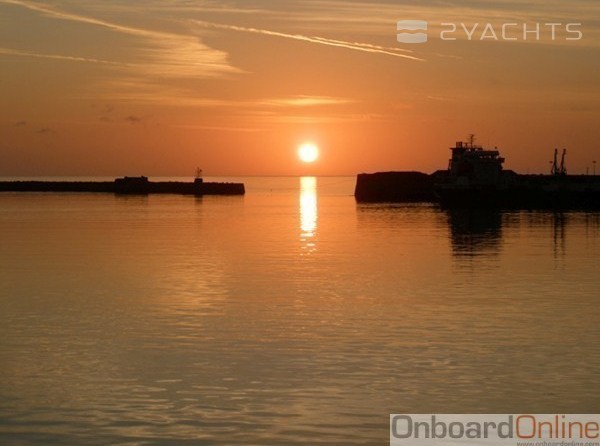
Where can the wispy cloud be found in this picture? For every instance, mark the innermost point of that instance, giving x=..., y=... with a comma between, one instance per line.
x=58, y=14
x=356, y=46
x=387, y=13
x=132, y=119
x=164, y=53
x=46, y=131
x=131, y=90
x=327, y=119
x=175, y=7
x=220, y=128
x=306, y=101
x=21, y=53
x=147, y=91
x=378, y=18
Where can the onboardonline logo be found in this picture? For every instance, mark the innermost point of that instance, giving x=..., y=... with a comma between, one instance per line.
x=417, y=31
x=495, y=429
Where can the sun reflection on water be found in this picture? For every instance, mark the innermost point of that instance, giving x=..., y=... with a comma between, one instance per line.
x=308, y=210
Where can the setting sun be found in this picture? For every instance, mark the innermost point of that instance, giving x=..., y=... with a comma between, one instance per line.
x=308, y=152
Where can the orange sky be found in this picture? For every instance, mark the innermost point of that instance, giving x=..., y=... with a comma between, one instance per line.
x=115, y=88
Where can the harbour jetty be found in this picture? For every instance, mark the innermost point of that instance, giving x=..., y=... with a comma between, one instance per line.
x=127, y=186
x=394, y=187
x=475, y=178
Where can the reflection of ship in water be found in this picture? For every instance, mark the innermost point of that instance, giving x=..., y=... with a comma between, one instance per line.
x=475, y=231
x=480, y=232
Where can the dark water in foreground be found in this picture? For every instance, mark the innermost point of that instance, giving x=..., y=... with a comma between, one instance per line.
x=289, y=316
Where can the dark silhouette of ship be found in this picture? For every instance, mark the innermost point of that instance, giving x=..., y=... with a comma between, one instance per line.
x=475, y=178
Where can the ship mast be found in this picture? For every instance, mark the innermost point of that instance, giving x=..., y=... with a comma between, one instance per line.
x=472, y=140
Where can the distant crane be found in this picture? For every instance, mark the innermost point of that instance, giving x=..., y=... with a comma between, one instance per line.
x=563, y=167
x=554, y=169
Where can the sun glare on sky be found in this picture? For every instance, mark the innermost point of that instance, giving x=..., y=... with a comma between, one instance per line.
x=308, y=152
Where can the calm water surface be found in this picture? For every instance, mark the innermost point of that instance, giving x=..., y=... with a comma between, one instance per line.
x=289, y=316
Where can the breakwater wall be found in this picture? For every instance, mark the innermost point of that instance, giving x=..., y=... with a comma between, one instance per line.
x=127, y=185
x=395, y=187
x=515, y=191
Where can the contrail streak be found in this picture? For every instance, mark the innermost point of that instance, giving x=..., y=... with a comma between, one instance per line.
x=365, y=47
x=13, y=52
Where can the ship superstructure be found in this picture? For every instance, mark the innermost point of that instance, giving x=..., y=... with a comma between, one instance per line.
x=476, y=178
x=471, y=164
